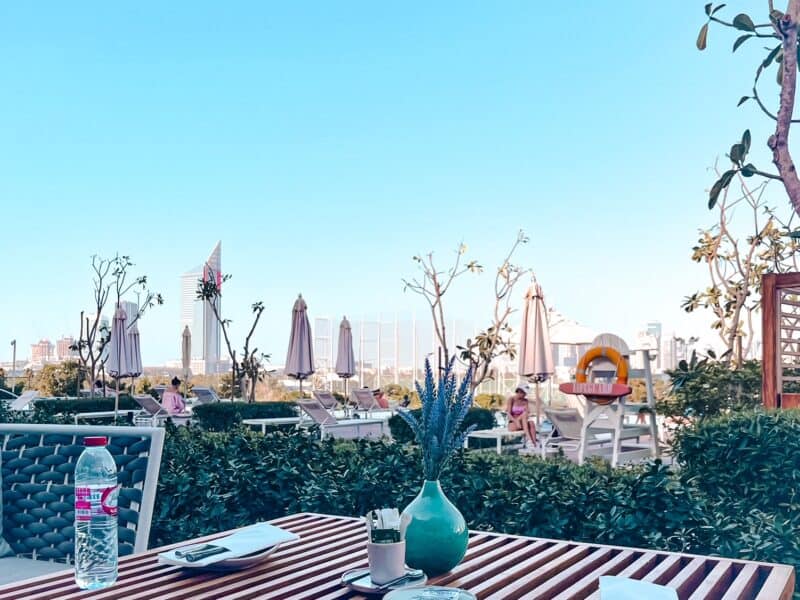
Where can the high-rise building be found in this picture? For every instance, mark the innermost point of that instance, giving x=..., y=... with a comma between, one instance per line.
x=199, y=316
x=42, y=352
x=131, y=310
x=654, y=329
x=63, y=350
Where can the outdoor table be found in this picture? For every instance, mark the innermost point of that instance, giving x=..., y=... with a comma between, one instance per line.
x=496, y=567
x=493, y=434
x=273, y=422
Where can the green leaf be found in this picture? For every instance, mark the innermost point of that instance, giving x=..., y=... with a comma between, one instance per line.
x=743, y=22
x=721, y=6
x=742, y=100
x=737, y=153
x=741, y=40
x=746, y=142
x=779, y=75
x=770, y=57
x=702, y=37
x=795, y=235
x=748, y=170
x=713, y=195
x=708, y=8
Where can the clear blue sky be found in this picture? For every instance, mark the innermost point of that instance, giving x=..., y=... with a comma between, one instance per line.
x=326, y=143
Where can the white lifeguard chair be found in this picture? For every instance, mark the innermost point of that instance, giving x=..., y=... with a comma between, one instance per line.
x=602, y=383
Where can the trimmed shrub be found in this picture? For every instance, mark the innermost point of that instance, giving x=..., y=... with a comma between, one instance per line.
x=401, y=432
x=216, y=481
x=45, y=408
x=747, y=457
x=222, y=416
x=705, y=387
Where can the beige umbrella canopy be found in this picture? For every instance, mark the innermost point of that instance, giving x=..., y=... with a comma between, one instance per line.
x=345, y=359
x=535, y=351
x=117, y=364
x=300, y=356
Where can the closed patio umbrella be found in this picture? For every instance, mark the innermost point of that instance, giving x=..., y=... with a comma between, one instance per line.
x=535, y=353
x=300, y=356
x=118, y=353
x=186, y=356
x=345, y=359
x=135, y=356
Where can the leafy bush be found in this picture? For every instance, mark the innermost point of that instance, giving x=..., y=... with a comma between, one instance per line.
x=401, y=432
x=222, y=416
x=58, y=379
x=44, y=408
x=748, y=457
x=215, y=481
x=713, y=505
x=706, y=387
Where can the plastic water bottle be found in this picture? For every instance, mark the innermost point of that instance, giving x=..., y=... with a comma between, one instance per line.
x=96, y=551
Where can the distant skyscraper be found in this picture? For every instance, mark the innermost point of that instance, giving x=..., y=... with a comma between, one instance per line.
x=42, y=352
x=198, y=315
x=654, y=329
x=63, y=351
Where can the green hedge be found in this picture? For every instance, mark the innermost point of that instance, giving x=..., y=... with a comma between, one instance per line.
x=401, y=432
x=47, y=407
x=222, y=416
x=735, y=494
x=215, y=481
x=749, y=457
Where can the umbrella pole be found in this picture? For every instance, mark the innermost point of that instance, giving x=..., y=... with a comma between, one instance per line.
x=538, y=407
x=116, y=402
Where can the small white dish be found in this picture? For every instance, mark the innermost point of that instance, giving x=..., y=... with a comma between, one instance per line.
x=243, y=562
x=359, y=581
x=430, y=592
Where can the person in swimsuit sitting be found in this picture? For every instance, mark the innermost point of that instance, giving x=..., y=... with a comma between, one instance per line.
x=171, y=400
x=517, y=412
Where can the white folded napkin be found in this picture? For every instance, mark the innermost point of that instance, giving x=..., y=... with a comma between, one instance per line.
x=245, y=541
x=622, y=588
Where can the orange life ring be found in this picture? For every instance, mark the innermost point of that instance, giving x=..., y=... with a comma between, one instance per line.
x=592, y=354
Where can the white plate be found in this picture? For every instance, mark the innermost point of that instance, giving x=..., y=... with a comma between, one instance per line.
x=362, y=583
x=242, y=562
x=431, y=592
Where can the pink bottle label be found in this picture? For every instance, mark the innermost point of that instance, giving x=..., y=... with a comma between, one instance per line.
x=95, y=502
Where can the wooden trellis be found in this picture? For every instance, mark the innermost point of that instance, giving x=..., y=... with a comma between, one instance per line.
x=780, y=304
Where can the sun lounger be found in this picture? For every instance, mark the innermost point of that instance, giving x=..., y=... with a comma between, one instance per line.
x=23, y=401
x=156, y=414
x=364, y=401
x=327, y=399
x=567, y=431
x=204, y=395
x=347, y=429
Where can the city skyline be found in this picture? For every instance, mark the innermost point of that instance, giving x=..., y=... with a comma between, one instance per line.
x=198, y=315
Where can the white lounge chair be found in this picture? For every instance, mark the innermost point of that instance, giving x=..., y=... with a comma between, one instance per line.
x=156, y=414
x=204, y=395
x=567, y=432
x=23, y=401
x=346, y=429
x=326, y=399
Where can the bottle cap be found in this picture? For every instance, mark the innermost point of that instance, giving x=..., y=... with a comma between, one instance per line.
x=95, y=441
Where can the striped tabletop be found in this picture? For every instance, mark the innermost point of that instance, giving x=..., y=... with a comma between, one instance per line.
x=496, y=567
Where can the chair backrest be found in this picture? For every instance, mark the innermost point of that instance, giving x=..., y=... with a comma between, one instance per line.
x=38, y=463
x=205, y=395
x=317, y=412
x=568, y=421
x=365, y=399
x=603, y=367
x=149, y=404
x=23, y=400
x=327, y=399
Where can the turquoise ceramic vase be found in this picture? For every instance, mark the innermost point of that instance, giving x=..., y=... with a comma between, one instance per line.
x=435, y=531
